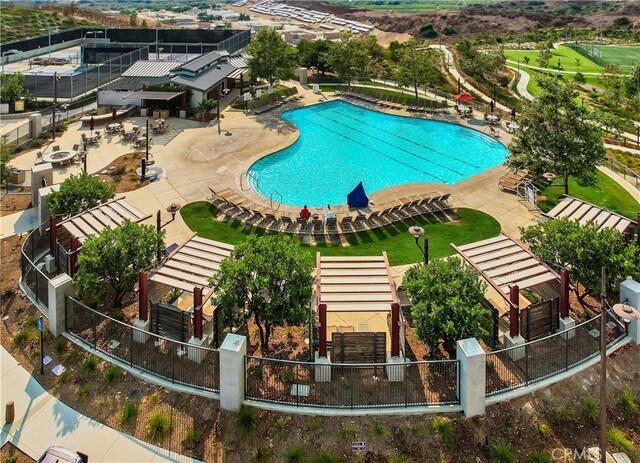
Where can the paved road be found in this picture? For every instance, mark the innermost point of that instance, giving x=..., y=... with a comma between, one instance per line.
x=41, y=420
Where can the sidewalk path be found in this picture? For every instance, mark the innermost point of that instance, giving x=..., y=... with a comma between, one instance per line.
x=19, y=222
x=42, y=420
x=523, y=83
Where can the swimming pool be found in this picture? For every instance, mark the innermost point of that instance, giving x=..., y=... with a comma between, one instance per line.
x=341, y=144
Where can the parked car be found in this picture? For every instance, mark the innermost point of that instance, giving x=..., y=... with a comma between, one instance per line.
x=56, y=454
x=11, y=52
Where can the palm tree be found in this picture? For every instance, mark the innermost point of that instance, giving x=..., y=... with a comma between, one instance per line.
x=205, y=107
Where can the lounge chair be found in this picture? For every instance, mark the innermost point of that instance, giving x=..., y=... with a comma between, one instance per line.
x=360, y=222
x=288, y=224
x=375, y=220
x=332, y=225
x=347, y=223
x=303, y=224
x=442, y=202
x=317, y=226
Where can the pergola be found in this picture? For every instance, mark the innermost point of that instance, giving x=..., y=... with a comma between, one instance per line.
x=509, y=267
x=585, y=213
x=187, y=269
x=356, y=292
x=69, y=234
x=145, y=95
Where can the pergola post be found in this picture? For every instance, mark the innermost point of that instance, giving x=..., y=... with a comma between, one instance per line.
x=514, y=338
x=53, y=234
x=395, y=329
x=197, y=312
x=144, y=101
x=158, y=227
x=184, y=97
x=322, y=330
x=241, y=82
x=143, y=323
x=73, y=256
x=566, y=322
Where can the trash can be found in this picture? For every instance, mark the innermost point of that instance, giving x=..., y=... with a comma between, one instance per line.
x=17, y=176
x=156, y=114
x=164, y=115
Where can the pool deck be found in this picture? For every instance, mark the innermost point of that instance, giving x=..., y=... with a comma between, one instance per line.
x=201, y=155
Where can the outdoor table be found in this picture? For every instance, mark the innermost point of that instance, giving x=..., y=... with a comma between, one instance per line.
x=491, y=119
x=92, y=138
x=512, y=126
x=60, y=157
x=114, y=127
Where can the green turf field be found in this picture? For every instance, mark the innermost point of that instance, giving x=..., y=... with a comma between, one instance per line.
x=566, y=55
x=623, y=56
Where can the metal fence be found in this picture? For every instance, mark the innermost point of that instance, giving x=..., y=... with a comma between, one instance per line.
x=622, y=170
x=34, y=280
x=18, y=135
x=162, y=357
x=351, y=386
x=519, y=366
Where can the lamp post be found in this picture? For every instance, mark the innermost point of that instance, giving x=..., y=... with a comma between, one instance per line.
x=49, y=30
x=56, y=78
x=83, y=44
x=417, y=232
x=172, y=209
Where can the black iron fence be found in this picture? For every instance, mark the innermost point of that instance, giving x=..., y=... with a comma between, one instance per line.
x=622, y=170
x=351, y=386
x=519, y=366
x=34, y=279
x=179, y=362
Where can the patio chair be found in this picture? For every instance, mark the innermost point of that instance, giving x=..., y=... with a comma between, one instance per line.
x=347, y=224
x=56, y=148
x=332, y=225
x=271, y=222
x=318, y=226
x=288, y=224
x=303, y=224
x=374, y=220
x=442, y=202
x=360, y=222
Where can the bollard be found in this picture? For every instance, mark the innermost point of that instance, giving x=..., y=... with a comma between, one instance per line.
x=9, y=412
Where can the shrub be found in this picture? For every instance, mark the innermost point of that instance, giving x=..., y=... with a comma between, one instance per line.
x=326, y=456
x=85, y=389
x=443, y=427
x=348, y=430
x=129, y=413
x=63, y=378
x=619, y=440
x=280, y=425
x=71, y=358
x=192, y=438
x=538, y=456
x=288, y=375
x=567, y=414
x=247, y=420
x=60, y=345
x=379, y=430
x=314, y=425
x=112, y=375
x=502, y=452
x=261, y=454
x=294, y=454
x=11, y=459
x=159, y=426
x=89, y=365
x=448, y=30
x=627, y=401
x=32, y=321
x=591, y=408
x=544, y=428
x=416, y=430
x=20, y=338
x=397, y=457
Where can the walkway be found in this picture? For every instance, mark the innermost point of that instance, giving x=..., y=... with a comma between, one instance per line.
x=19, y=222
x=42, y=420
x=523, y=83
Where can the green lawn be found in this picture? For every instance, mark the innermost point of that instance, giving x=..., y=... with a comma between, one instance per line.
x=566, y=55
x=624, y=56
x=605, y=193
x=534, y=89
x=471, y=226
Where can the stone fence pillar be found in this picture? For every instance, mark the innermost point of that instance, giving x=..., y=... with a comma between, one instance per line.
x=59, y=287
x=472, y=372
x=232, y=371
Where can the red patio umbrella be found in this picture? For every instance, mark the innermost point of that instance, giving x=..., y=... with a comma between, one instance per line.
x=463, y=97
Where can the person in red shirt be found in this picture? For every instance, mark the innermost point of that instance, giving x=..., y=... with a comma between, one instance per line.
x=304, y=213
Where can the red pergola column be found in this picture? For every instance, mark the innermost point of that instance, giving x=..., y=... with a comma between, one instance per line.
x=322, y=330
x=143, y=296
x=144, y=101
x=53, y=234
x=184, y=97
x=197, y=312
x=241, y=82
x=564, y=293
x=514, y=311
x=73, y=256
x=395, y=329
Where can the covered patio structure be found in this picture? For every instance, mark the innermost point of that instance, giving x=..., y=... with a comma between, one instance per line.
x=144, y=95
x=522, y=288
x=178, y=295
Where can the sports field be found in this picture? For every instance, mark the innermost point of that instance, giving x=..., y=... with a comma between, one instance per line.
x=624, y=56
x=565, y=55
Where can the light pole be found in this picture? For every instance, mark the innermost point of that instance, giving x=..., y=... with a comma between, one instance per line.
x=56, y=78
x=417, y=232
x=83, y=44
x=49, y=30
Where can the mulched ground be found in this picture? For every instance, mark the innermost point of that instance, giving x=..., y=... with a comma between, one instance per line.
x=123, y=171
x=12, y=203
x=11, y=454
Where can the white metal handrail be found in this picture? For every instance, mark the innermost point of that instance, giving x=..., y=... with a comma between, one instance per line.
x=271, y=199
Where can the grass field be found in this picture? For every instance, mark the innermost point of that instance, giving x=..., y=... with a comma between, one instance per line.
x=411, y=6
x=20, y=23
x=566, y=55
x=471, y=226
x=534, y=89
x=624, y=56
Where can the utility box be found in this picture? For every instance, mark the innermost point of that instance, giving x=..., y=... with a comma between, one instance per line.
x=17, y=176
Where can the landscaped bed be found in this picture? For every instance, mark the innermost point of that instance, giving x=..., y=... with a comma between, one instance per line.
x=471, y=225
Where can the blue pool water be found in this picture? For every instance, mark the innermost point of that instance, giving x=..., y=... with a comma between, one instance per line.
x=342, y=144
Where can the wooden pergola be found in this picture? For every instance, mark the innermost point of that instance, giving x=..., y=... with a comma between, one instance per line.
x=188, y=269
x=509, y=267
x=585, y=213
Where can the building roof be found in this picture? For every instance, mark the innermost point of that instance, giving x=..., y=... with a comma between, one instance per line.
x=503, y=262
x=149, y=95
x=192, y=264
x=207, y=79
x=355, y=284
x=111, y=214
x=151, y=68
x=584, y=212
x=198, y=63
x=239, y=61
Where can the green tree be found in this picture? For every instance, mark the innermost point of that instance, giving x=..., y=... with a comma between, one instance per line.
x=428, y=31
x=417, y=66
x=78, y=193
x=583, y=250
x=614, y=85
x=206, y=106
x=543, y=58
x=5, y=167
x=133, y=19
x=313, y=54
x=266, y=278
x=556, y=136
x=348, y=56
x=110, y=262
x=447, y=297
x=271, y=58
x=11, y=87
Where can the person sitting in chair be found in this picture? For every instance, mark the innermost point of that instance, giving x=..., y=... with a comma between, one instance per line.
x=304, y=213
x=329, y=214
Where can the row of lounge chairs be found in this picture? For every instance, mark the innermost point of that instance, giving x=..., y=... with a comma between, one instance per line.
x=395, y=102
x=260, y=106
x=241, y=209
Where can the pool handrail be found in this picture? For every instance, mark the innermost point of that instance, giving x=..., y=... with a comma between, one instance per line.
x=245, y=176
x=271, y=200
